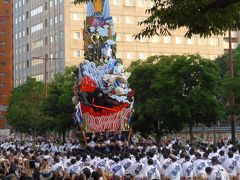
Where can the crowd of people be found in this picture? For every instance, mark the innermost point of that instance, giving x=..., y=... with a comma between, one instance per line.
x=115, y=156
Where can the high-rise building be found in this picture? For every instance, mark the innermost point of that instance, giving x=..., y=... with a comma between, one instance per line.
x=5, y=57
x=51, y=31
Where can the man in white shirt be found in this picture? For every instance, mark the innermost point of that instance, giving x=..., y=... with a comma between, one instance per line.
x=138, y=169
x=216, y=174
x=188, y=169
x=199, y=166
x=151, y=172
x=127, y=164
x=231, y=165
x=117, y=169
x=73, y=168
x=174, y=172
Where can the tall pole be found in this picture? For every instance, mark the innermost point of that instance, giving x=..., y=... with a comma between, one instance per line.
x=46, y=75
x=231, y=98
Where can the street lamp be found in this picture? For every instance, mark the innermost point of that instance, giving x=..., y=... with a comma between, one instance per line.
x=45, y=59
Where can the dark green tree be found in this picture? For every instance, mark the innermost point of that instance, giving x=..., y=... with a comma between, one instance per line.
x=25, y=113
x=58, y=105
x=230, y=85
x=203, y=17
x=175, y=91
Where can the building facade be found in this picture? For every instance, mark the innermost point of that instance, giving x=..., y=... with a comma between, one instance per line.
x=5, y=57
x=51, y=31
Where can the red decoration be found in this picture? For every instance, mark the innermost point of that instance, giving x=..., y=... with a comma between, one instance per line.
x=88, y=85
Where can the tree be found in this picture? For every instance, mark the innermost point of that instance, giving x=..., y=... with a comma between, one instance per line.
x=25, y=113
x=58, y=105
x=174, y=91
x=231, y=85
x=203, y=17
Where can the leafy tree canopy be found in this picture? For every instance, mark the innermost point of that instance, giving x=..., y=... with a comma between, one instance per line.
x=25, y=112
x=203, y=17
x=175, y=91
x=58, y=104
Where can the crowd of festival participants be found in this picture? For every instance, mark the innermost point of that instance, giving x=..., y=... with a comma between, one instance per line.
x=113, y=156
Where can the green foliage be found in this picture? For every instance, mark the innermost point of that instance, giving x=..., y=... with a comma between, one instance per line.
x=25, y=112
x=58, y=105
x=230, y=86
x=174, y=91
x=203, y=17
x=81, y=1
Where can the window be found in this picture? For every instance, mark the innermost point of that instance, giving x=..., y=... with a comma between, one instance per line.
x=140, y=19
x=77, y=54
x=2, y=74
x=141, y=3
x=23, y=17
x=118, y=38
x=20, y=19
x=129, y=19
x=51, y=21
x=61, y=35
x=50, y=3
x=60, y=17
x=202, y=41
x=142, y=55
x=155, y=39
x=2, y=21
x=76, y=35
x=214, y=41
x=76, y=16
x=56, y=2
x=166, y=39
x=117, y=19
x=2, y=32
x=27, y=47
x=2, y=43
x=190, y=41
x=2, y=84
x=56, y=19
x=178, y=40
x=23, y=33
x=20, y=34
x=37, y=62
x=27, y=31
x=116, y=2
x=51, y=39
x=20, y=3
x=36, y=27
x=27, y=14
x=2, y=64
x=16, y=36
x=5, y=1
x=129, y=2
x=129, y=37
x=16, y=20
x=2, y=53
x=16, y=5
x=36, y=11
x=130, y=55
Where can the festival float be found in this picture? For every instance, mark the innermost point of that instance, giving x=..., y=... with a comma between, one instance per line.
x=102, y=97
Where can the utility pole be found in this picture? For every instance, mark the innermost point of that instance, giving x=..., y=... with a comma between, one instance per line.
x=46, y=59
x=231, y=97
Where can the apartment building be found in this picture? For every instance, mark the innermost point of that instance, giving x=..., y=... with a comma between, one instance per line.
x=50, y=31
x=5, y=57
